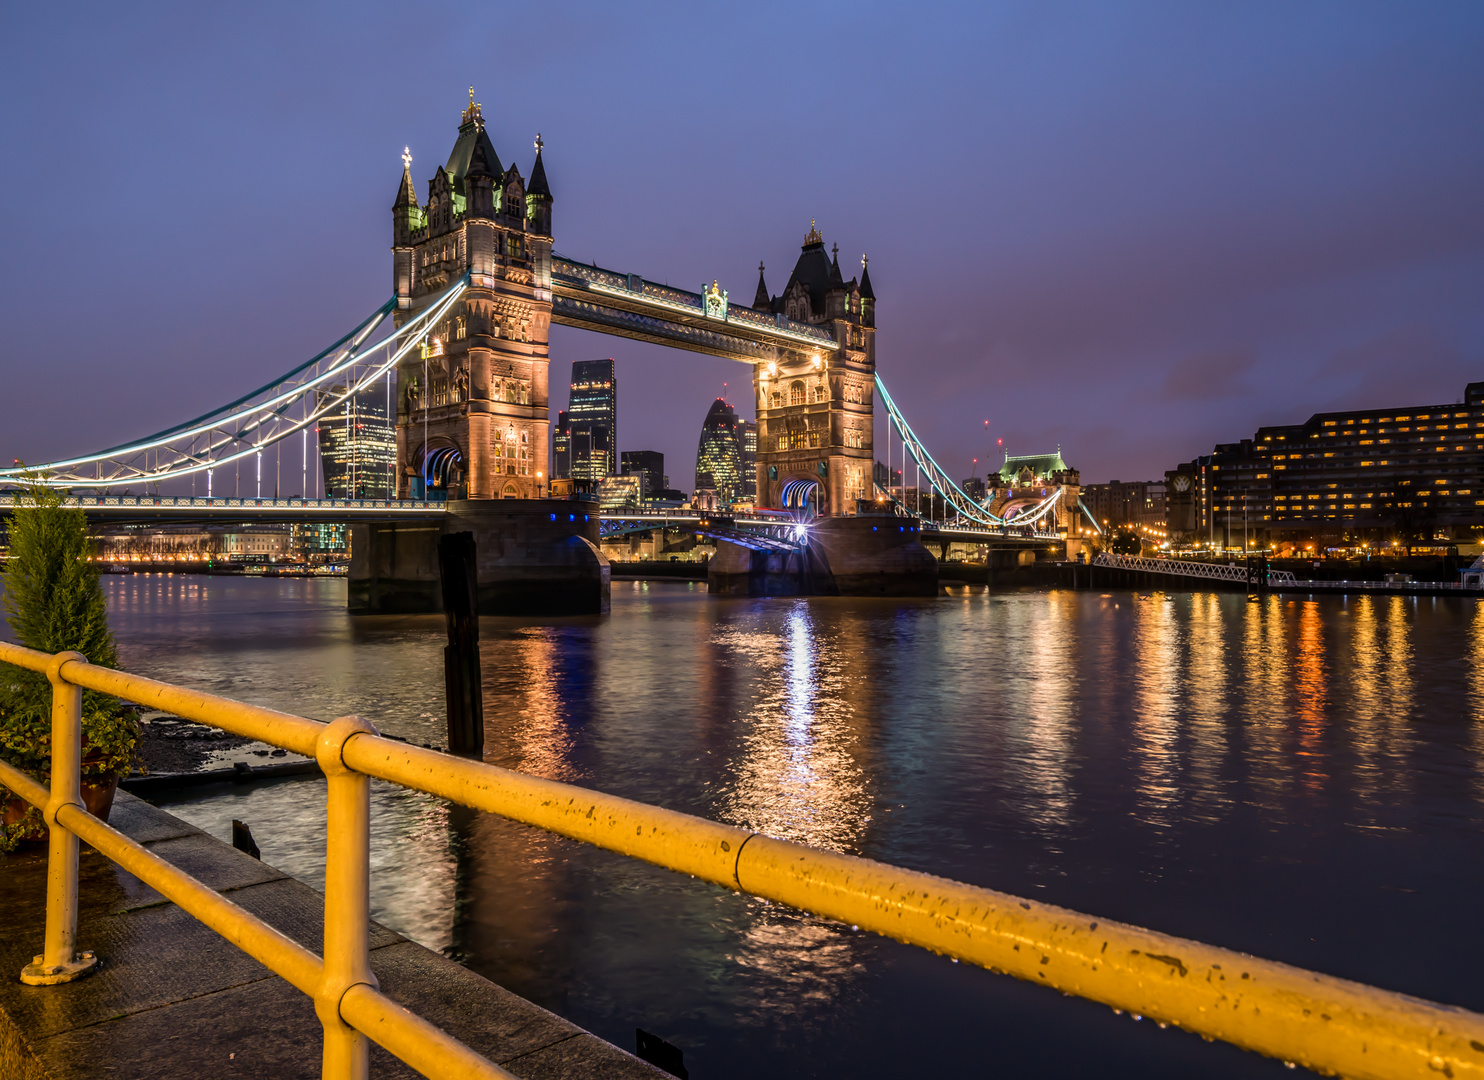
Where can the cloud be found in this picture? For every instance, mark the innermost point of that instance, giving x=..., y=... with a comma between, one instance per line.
x=1207, y=376
x=1407, y=366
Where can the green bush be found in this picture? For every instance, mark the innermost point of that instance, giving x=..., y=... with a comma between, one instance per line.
x=54, y=599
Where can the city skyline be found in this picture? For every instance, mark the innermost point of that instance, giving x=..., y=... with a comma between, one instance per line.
x=1174, y=213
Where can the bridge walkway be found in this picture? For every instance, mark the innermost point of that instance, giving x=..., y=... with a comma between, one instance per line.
x=174, y=1000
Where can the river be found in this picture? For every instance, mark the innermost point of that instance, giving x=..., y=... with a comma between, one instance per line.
x=1299, y=779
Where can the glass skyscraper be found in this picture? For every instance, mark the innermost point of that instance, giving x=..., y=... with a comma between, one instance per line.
x=592, y=420
x=357, y=446
x=747, y=432
x=719, y=453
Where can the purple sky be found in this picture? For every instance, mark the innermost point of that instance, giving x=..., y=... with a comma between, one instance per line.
x=1132, y=230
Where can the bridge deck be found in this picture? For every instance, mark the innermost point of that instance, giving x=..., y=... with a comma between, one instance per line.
x=175, y=1001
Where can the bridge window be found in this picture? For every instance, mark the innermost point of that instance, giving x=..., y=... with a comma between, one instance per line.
x=783, y=442
x=796, y=394
x=776, y=399
x=818, y=392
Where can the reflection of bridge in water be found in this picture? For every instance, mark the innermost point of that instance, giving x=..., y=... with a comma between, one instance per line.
x=460, y=353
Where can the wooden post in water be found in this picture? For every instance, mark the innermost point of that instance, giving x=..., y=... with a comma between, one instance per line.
x=461, y=676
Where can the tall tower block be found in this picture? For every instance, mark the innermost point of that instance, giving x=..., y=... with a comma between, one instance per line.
x=472, y=401
x=814, y=438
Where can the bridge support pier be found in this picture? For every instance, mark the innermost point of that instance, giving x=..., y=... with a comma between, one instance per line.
x=846, y=556
x=534, y=557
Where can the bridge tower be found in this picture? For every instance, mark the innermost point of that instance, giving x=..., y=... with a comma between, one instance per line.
x=472, y=401
x=815, y=444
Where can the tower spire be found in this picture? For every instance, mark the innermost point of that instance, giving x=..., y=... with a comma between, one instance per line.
x=473, y=112
x=538, y=185
x=762, y=301
x=866, y=292
x=407, y=193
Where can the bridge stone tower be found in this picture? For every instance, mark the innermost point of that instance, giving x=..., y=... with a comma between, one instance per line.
x=472, y=401
x=814, y=411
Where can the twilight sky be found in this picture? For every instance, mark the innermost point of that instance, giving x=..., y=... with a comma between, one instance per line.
x=1130, y=229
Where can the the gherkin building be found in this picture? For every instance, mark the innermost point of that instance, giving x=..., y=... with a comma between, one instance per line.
x=719, y=454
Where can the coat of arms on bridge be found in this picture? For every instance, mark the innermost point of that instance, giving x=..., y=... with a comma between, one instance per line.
x=716, y=301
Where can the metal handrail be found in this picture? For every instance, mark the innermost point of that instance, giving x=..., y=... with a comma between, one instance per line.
x=1186, y=568
x=1327, y=1024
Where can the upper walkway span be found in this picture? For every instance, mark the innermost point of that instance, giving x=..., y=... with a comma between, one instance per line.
x=627, y=305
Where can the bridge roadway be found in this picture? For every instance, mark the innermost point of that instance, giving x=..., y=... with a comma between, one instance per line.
x=770, y=531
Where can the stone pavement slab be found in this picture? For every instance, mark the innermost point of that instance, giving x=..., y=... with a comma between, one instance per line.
x=174, y=1001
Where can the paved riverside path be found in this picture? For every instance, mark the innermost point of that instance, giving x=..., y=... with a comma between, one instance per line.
x=175, y=1001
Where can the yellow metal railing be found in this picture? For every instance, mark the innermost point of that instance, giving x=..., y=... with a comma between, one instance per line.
x=1327, y=1024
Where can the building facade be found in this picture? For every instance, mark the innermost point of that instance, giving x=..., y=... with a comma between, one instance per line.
x=815, y=439
x=591, y=420
x=747, y=434
x=471, y=404
x=1139, y=503
x=357, y=444
x=1412, y=473
x=719, y=454
x=561, y=447
x=1026, y=480
x=649, y=466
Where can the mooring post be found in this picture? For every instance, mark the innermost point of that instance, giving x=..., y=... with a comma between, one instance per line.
x=461, y=676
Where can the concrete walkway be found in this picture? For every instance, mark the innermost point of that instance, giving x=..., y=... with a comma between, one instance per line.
x=174, y=1001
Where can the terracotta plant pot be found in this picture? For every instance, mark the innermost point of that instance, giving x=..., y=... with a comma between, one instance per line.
x=97, y=794
x=97, y=798
x=13, y=810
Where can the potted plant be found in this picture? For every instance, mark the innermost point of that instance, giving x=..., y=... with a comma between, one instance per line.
x=54, y=602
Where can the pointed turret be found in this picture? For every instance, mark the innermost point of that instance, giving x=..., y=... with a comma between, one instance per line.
x=762, y=301
x=868, y=295
x=479, y=178
x=835, y=277
x=405, y=211
x=539, y=194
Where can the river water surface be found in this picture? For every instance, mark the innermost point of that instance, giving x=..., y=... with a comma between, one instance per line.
x=1299, y=779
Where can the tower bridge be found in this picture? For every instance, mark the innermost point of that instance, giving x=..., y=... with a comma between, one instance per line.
x=464, y=366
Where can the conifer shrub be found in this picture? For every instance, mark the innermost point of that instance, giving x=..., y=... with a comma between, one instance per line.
x=54, y=602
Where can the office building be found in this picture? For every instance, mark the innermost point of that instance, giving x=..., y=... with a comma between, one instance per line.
x=591, y=420
x=649, y=466
x=621, y=492
x=1413, y=474
x=748, y=450
x=561, y=448
x=1139, y=503
x=357, y=445
x=719, y=454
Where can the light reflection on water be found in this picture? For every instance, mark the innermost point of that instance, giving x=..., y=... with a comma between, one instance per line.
x=1298, y=778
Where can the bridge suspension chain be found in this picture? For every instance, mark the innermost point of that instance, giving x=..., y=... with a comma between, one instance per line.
x=967, y=510
x=290, y=404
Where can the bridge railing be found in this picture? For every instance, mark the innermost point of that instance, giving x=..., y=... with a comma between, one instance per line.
x=1236, y=572
x=1301, y=1017
x=217, y=502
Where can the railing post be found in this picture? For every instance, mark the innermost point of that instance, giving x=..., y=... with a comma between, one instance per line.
x=347, y=900
x=59, y=962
